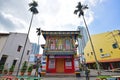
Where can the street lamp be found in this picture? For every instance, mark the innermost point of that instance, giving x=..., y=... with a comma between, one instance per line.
x=80, y=9
x=34, y=10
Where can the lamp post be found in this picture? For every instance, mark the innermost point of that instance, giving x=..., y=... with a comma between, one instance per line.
x=80, y=9
x=33, y=9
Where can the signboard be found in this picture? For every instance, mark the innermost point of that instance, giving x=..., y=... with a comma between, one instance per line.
x=104, y=55
x=51, y=63
x=76, y=63
x=63, y=56
x=51, y=56
x=68, y=63
x=43, y=62
x=31, y=58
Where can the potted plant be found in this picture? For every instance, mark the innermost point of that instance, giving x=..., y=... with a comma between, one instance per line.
x=1, y=68
x=11, y=69
x=30, y=68
x=5, y=71
x=24, y=68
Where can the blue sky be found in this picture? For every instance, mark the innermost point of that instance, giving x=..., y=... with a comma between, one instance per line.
x=102, y=16
x=106, y=17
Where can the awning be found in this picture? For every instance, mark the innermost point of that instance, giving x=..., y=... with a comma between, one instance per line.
x=60, y=53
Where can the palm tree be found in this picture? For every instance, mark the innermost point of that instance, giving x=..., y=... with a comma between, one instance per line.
x=34, y=10
x=80, y=9
x=38, y=31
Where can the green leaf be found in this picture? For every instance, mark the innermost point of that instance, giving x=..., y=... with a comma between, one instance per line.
x=79, y=36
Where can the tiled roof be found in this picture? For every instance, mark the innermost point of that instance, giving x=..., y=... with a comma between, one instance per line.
x=60, y=53
x=60, y=33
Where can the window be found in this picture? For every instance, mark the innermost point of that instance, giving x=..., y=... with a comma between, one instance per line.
x=52, y=44
x=91, y=53
x=19, y=48
x=67, y=44
x=115, y=45
x=60, y=45
x=28, y=52
x=68, y=63
x=87, y=54
x=101, y=50
x=51, y=64
x=14, y=62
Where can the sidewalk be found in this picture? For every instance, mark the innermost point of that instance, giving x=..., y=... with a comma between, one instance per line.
x=93, y=73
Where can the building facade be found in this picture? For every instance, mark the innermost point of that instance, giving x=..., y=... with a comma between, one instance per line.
x=34, y=52
x=107, y=50
x=60, y=50
x=11, y=48
x=35, y=48
x=82, y=42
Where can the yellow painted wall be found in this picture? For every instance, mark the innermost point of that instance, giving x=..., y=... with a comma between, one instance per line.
x=103, y=41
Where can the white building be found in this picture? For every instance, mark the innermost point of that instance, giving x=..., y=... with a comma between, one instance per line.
x=11, y=49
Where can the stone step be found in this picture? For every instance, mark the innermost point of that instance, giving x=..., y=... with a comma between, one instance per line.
x=60, y=75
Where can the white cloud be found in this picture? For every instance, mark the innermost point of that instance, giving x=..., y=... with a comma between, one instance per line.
x=53, y=15
x=58, y=13
x=52, y=12
x=94, y=3
x=17, y=22
x=89, y=17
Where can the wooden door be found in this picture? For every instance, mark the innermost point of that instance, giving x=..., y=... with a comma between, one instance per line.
x=60, y=65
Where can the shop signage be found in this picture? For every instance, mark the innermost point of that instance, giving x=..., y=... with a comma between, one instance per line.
x=63, y=56
x=104, y=55
x=51, y=56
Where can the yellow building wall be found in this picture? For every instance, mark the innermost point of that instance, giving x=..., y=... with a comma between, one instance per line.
x=103, y=41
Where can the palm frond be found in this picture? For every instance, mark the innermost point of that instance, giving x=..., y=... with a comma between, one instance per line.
x=34, y=10
x=81, y=13
x=80, y=9
x=38, y=31
x=76, y=11
x=79, y=36
x=85, y=7
x=34, y=3
x=79, y=6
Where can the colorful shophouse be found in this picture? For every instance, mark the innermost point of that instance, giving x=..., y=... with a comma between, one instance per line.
x=60, y=50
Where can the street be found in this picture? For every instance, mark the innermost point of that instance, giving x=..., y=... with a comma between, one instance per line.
x=93, y=75
x=69, y=78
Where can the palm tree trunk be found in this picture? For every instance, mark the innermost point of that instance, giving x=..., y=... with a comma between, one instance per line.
x=98, y=67
x=25, y=45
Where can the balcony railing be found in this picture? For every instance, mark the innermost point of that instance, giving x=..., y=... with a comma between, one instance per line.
x=60, y=50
